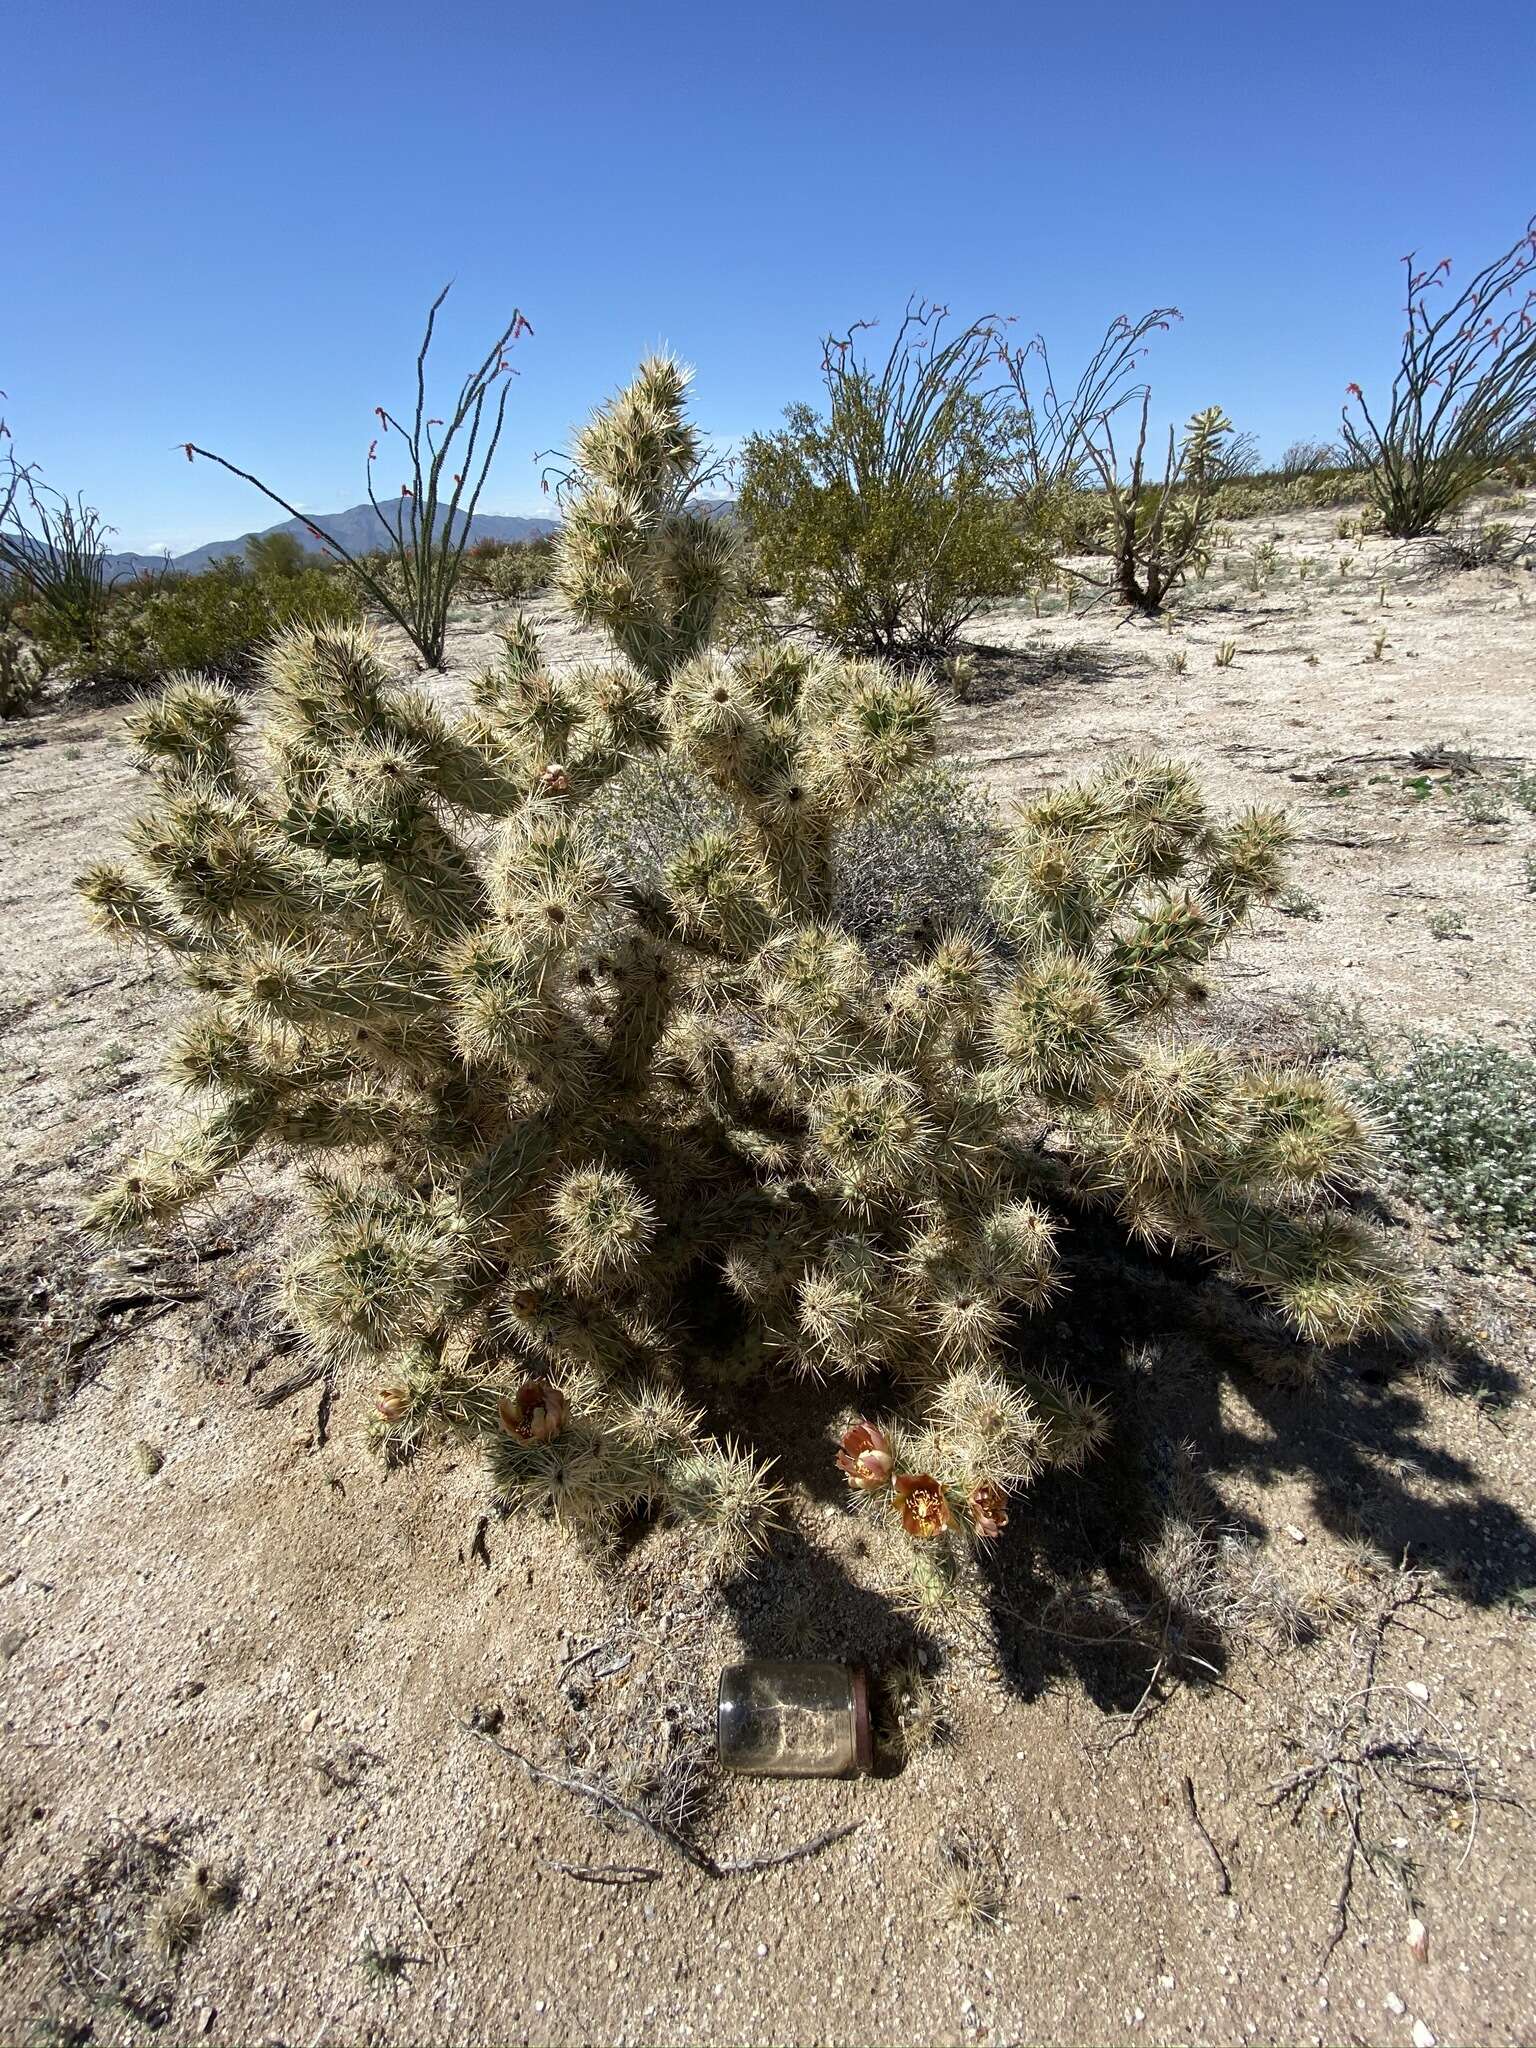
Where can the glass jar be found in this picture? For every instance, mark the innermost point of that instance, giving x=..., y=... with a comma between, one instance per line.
x=794, y=1720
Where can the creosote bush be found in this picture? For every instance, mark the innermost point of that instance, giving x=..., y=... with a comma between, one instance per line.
x=218, y=618
x=886, y=518
x=585, y=1144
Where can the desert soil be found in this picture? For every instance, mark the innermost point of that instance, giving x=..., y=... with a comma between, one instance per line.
x=273, y=1656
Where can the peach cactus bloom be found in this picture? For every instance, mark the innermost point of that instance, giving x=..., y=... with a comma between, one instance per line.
x=989, y=1510
x=865, y=1456
x=536, y=1415
x=391, y=1404
x=924, y=1510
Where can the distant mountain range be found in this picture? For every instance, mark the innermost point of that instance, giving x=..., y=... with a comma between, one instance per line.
x=358, y=530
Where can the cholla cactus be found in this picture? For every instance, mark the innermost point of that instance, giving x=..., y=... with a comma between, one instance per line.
x=578, y=1146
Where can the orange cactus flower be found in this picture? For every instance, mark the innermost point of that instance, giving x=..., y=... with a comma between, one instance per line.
x=391, y=1404
x=866, y=1456
x=536, y=1415
x=989, y=1510
x=924, y=1510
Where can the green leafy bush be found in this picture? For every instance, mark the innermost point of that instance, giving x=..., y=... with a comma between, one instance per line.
x=216, y=620
x=884, y=519
x=587, y=1143
x=21, y=674
x=1461, y=1117
x=505, y=571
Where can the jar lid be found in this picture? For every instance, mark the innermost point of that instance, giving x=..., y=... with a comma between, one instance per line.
x=863, y=1735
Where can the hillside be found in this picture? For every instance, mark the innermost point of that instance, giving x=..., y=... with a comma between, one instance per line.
x=358, y=529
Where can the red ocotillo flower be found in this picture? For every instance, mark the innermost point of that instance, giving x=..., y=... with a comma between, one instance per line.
x=382, y=417
x=190, y=450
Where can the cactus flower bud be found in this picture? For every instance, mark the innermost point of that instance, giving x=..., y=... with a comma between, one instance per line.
x=866, y=1456
x=554, y=781
x=391, y=1404
x=924, y=1510
x=536, y=1415
x=989, y=1510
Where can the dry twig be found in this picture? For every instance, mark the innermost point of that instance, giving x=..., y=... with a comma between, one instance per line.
x=678, y=1843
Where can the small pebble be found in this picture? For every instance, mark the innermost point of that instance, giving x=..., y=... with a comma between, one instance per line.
x=1422, y=2037
x=1394, y=2005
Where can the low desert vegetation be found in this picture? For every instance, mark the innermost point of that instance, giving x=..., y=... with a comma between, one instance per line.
x=446, y=462
x=1460, y=1117
x=217, y=620
x=1160, y=531
x=1463, y=403
x=507, y=571
x=589, y=1143
x=52, y=559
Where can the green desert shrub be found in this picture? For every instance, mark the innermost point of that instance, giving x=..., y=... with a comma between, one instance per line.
x=587, y=1144
x=506, y=571
x=1461, y=1119
x=217, y=619
x=884, y=518
x=21, y=674
x=274, y=556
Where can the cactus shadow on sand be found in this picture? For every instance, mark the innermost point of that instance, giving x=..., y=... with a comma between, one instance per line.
x=1209, y=1397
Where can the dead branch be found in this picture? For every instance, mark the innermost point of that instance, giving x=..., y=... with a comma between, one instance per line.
x=1223, y=1875
x=700, y=1859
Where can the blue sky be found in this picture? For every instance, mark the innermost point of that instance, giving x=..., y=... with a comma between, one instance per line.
x=225, y=222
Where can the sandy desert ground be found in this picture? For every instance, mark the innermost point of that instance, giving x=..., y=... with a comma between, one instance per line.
x=273, y=1657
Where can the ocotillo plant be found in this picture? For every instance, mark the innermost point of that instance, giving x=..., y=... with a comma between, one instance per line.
x=1463, y=401
x=430, y=521
x=55, y=549
x=580, y=1148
